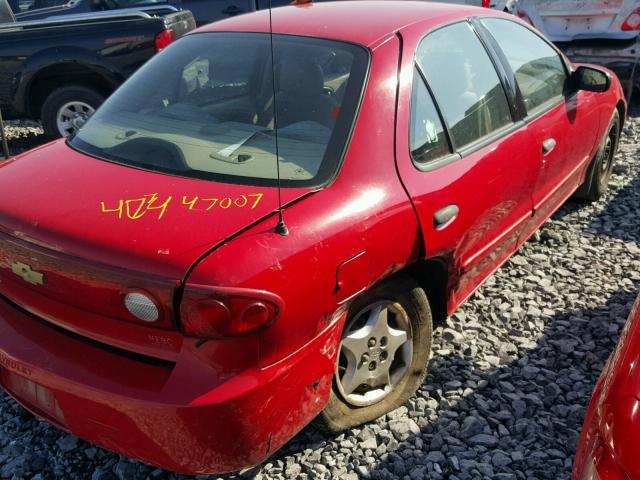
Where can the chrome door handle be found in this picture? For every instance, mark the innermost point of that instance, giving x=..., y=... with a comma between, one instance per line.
x=445, y=216
x=548, y=145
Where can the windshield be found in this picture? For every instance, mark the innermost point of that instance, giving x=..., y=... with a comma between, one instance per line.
x=204, y=108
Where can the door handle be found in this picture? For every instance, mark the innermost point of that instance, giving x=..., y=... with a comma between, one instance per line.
x=445, y=216
x=548, y=145
x=232, y=10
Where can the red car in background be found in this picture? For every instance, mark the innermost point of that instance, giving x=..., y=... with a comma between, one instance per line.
x=153, y=302
x=609, y=447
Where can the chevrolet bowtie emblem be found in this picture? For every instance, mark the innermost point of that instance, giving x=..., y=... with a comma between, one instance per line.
x=27, y=273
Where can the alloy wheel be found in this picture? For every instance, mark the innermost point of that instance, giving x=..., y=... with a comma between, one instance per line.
x=375, y=353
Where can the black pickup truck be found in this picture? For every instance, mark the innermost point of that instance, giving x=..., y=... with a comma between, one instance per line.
x=204, y=11
x=61, y=69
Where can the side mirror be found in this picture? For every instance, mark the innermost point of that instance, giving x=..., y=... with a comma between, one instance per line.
x=592, y=79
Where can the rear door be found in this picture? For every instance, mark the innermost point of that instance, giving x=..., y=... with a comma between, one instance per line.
x=468, y=163
x=563, y=122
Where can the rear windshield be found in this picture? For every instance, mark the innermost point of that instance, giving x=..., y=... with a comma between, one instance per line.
x=204, y=108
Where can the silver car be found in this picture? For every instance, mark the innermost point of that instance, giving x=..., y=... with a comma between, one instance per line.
x=606, y=32
x=504, y=5
x=568, y=20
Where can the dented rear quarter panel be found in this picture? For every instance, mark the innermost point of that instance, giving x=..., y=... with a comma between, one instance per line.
x=365, y=213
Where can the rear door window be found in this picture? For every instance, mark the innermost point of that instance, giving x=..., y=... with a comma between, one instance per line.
x=464, y=82
x=540, y=72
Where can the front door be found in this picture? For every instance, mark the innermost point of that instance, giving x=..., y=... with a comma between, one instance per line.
x=564, y=123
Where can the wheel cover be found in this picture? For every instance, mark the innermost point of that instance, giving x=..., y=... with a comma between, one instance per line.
x=375, y=353
x=72, y=116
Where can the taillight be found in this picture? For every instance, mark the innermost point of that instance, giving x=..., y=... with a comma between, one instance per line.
x=633, y=21
x=486, y=3
x=215, y=312
x=525, y=17
x=164, y=39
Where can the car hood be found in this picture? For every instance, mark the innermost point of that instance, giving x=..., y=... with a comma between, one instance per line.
x=72, y=204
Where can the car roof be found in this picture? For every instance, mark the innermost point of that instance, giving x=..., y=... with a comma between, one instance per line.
x=365, y=22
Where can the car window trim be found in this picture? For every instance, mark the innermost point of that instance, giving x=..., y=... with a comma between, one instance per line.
x=443, y=120
x=567, y=68
x=553, y=102
x=490, y=138
x=513, y=90
x=504, y=71
x=546, y=107
x=460, y=153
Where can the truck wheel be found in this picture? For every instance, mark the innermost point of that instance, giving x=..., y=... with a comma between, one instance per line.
x=66, y=109
x=382, y=357
x=599, y=172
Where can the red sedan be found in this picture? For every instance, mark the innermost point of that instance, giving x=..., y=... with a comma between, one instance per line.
x=255, y=232
x=609, y=448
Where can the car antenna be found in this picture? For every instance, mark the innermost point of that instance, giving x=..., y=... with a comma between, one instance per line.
x=281, y=228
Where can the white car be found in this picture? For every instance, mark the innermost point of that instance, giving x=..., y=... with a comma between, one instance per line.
x=606, y=32
x=569, y=20
x=504, y=5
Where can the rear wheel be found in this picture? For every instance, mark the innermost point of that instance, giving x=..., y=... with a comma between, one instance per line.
x=599, y=173
x=383, y=354
x=66, y=109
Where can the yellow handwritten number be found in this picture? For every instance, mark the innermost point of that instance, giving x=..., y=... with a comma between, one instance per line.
x=191, y=203
x=145, y=204
x=258, y=197
x=104, y=209
x=213, y=202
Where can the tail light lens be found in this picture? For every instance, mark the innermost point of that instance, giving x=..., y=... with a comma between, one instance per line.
x=523, y=16
x=633, y=21
x=164, y=39
x=486, y=3
x=216, y=312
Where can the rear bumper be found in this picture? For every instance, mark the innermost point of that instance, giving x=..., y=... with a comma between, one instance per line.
x=621, y=56
x=163, y=413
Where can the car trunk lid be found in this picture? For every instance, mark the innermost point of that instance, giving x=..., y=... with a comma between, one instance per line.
x=84, y=232
x=568, y=20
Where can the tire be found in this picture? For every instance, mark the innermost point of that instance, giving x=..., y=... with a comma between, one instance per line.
x=597, y=179
x=72, y=95
x=407, y=304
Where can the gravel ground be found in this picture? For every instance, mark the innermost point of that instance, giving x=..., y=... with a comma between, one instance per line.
x=22, y=135
x=509, y=382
